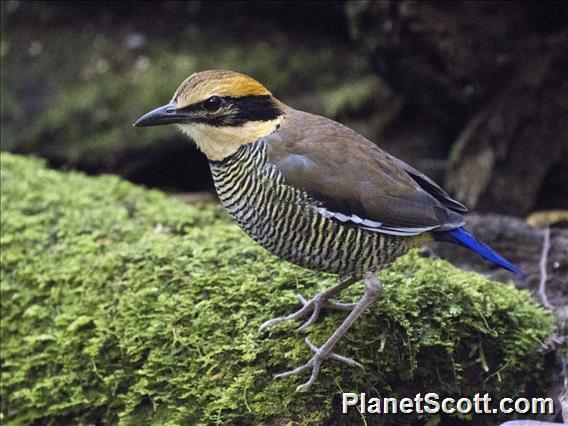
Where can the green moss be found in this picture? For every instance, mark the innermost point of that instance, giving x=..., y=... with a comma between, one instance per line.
x=123, y=305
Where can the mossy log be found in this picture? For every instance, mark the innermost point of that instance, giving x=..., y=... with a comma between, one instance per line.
x=122, y=305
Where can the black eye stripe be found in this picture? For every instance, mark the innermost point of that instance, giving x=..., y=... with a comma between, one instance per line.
x=257, y=108
x=233, y=111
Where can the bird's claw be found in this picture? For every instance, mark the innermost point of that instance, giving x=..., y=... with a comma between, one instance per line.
x=293, y=316
x=329, y=303
x=314, y=306
x=315, y=364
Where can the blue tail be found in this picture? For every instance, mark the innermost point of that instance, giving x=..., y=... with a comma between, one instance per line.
x=462, y=237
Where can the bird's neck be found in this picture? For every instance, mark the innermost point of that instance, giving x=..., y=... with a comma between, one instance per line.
x=248, y=158
x=245, y=165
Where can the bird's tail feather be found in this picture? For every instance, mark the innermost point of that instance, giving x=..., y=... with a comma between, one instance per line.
x=462, y=237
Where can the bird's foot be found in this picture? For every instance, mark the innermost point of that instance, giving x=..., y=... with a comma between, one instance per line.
x=315, y=362
x=320, y=301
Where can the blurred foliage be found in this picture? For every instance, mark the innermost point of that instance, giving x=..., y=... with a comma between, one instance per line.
x=71, y=92
x=120, y=304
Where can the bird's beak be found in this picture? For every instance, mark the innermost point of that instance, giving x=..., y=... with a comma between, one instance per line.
x=166, y=114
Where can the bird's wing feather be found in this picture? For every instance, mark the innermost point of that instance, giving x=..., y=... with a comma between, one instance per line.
x=431, y=187
x=355, y=182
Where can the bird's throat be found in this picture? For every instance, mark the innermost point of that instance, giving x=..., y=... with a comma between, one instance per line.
x=220, y=142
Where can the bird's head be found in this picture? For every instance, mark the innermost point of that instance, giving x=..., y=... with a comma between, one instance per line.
x=220, y=111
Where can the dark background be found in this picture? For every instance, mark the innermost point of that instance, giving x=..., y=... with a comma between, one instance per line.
x=475, y=94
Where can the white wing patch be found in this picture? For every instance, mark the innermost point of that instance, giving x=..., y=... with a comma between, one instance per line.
x=372, y=225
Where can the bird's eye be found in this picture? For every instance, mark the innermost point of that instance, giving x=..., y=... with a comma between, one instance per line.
x=213, y=103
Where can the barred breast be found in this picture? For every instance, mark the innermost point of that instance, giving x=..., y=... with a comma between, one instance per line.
x=285, y=221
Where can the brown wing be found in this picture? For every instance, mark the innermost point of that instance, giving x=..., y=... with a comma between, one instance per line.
x=354, y=181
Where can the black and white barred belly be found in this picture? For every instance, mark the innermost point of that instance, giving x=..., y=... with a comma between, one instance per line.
x=285, y=220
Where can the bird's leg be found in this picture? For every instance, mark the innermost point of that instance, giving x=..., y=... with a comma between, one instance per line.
x=372, y=292
x=320, y=300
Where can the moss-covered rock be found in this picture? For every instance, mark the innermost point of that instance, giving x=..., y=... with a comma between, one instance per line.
x=121, y=304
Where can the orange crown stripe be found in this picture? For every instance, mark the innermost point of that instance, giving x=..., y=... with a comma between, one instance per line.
x=200, y=86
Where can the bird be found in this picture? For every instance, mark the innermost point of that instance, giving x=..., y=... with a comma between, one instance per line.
x=313, y=192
